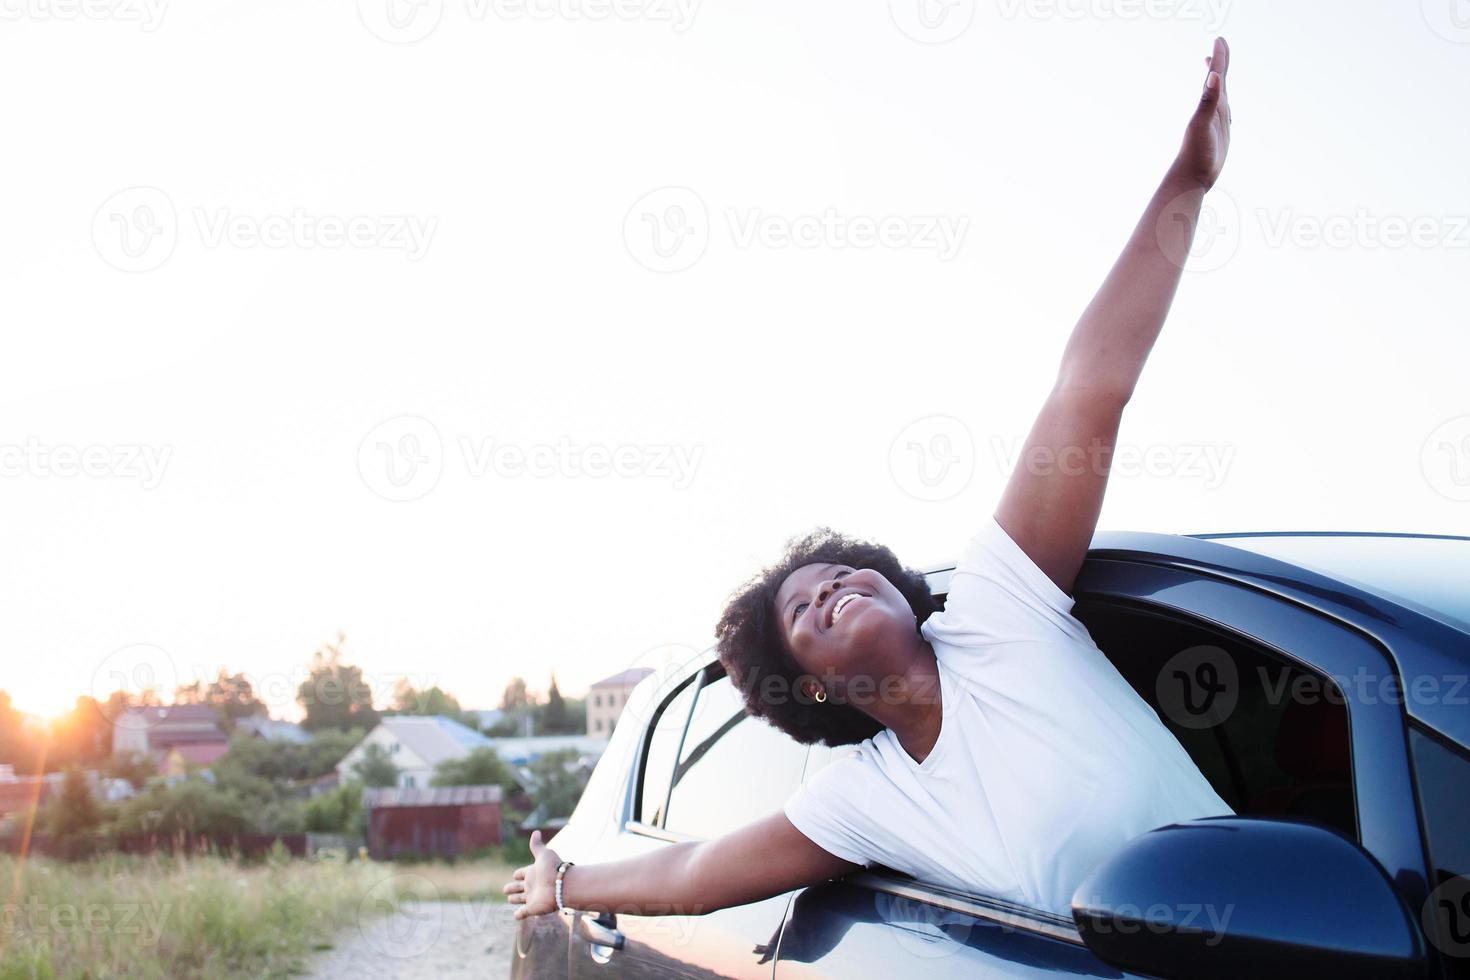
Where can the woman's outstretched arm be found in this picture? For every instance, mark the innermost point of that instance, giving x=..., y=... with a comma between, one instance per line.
x=765, y=858
x=1051, y=503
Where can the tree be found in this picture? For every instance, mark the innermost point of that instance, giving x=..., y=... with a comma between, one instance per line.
x=557, y=781
x=515, y=697
x=135, y=766
x=189, y=807
x=480, y=767
x=338, y=811
x=434, y=701
x=74, y=818
x=376, y=767
x=554, y=716
x=335, y=695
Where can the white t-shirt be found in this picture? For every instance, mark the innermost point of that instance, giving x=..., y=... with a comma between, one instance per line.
x=1047, y=760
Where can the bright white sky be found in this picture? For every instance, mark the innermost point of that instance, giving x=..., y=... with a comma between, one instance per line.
x=1317, y=377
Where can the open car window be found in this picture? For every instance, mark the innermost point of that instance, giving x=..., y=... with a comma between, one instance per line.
x=1271, y=737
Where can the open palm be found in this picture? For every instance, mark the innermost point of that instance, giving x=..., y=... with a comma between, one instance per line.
x=1207, y=139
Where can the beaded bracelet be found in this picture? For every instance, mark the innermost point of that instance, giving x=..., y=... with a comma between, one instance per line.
x=561, y=872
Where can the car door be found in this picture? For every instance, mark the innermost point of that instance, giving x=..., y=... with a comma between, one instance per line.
x=707, y=768
x=1249, y=683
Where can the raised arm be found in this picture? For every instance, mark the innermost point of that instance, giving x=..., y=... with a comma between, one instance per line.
x=765, y=858
x=1051, y=503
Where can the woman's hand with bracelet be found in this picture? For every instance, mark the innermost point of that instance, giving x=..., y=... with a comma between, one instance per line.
x=534, y=886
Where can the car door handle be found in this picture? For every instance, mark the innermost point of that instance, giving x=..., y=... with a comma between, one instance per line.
x=598, y=934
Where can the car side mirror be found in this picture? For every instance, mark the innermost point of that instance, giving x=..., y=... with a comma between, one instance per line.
x=1230, y=897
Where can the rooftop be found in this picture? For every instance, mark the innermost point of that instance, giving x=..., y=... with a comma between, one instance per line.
x=625, y=678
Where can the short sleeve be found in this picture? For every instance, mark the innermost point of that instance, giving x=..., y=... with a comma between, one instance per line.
x=823, y=809
x=998, y=594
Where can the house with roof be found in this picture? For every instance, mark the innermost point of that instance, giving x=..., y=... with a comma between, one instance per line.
x=273, y=729
x=606, y=698
x=177, y=735
x=416, y=744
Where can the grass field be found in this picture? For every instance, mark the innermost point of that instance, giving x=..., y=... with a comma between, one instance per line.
x=159, y=918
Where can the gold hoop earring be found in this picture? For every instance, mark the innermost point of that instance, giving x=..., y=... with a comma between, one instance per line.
x=820, y=697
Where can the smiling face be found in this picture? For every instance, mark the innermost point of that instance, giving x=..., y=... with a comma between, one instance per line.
x=841, y=622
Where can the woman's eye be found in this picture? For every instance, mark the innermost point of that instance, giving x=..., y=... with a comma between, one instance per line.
x=840, y=574
x=796, y=613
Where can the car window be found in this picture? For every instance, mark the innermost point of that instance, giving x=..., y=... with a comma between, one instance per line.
x=733, y=768
x=658, y=760
x=1443, y=779
x=1271, y=737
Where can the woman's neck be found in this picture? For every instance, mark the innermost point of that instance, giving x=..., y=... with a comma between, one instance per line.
x=912, y=705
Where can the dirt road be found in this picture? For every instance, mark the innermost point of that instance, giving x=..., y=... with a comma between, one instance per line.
x=422, y=941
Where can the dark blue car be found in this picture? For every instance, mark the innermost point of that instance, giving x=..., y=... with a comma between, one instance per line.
x=1318, y=680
